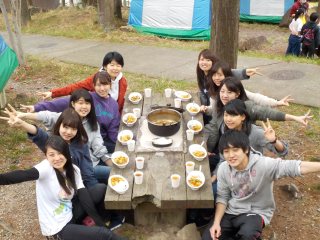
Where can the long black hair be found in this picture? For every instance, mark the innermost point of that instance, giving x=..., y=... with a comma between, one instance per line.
x=298, y=13
x=91, y=117
x=69, y=117
x=233, y=85
x=67, y=181
x=237, y=107
x=201, y=77
x=225, y=68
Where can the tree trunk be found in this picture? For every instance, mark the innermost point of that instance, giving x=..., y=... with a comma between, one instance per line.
x=285, y=21
x=71, y=3
x=63, y=3
x=318, y=9
x=25, y=13
x=106, y=14
x=225, y=30
x=117, y=9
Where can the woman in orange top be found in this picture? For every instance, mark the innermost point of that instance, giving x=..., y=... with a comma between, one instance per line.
x=113, y=64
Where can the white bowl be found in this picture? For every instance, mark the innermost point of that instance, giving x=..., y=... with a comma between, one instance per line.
x=131, y=116
x=193, y=108
x=194, y=148
x=197, y=177
x=184, y=96
x=125, y=133
x=118, y=183
x=195, y=125
x=115, y=159
x=135, y=97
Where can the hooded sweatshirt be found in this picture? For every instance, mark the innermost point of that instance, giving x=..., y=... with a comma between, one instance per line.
x=251, y=190
x=312, y=25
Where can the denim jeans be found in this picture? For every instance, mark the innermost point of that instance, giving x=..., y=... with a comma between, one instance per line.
x=294, y=45
x=102, y=172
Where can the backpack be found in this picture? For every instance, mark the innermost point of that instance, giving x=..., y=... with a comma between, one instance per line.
x=308, y=35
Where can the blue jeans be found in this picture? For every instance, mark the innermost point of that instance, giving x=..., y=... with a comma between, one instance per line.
x=102, y=172
x=294, y=45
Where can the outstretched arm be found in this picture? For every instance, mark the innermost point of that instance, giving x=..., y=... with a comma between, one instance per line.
x=309, y=167
x=19, y=176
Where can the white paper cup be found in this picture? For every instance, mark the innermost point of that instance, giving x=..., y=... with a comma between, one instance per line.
x=139, y=162
x=189, y=166
x=137, y=112
x=190, y=134
x=147, y=92
x=168, y=92
x=131, y=145
x=138, y=177
x=177, y=102
x=175, y=180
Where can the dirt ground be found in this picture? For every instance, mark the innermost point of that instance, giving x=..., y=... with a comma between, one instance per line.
x=293, y=219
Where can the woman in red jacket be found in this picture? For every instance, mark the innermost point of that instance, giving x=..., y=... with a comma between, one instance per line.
x=113, y=64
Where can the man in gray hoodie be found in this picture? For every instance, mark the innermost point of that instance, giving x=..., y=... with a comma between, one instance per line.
x=245, y=201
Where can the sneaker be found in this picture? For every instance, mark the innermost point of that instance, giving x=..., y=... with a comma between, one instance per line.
x=116, y=221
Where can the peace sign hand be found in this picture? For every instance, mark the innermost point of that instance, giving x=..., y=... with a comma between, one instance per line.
x=13, y=112
x=269, y=133
x=12, y=120
x=27, y=108
x=285, y=101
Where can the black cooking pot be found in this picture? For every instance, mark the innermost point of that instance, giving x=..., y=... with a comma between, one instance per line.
x=164, y=121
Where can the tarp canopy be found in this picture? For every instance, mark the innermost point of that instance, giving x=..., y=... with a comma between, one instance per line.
x=8, y=63
x=268, y=11
x=191, y=19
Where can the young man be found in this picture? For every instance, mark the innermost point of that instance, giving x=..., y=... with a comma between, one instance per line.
x=310, y=36
x=245, y=201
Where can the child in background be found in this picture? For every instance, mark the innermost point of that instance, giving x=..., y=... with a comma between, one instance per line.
x=295, y=26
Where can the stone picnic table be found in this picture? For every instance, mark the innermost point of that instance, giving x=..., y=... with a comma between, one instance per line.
x=155, y=201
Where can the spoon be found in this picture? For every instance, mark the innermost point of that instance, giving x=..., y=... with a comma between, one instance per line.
x=202, y=144
x=200, y=168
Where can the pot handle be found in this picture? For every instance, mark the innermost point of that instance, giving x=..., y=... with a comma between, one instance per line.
x=156, y=106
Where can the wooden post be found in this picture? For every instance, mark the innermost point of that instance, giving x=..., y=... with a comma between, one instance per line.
x=16, y=9
x=6, y=20
x=225, y=30
x=3, y=99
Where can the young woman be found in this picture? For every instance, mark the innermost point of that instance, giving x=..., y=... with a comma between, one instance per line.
x=106, y=109
x=232, y=88
x=206, y=60
x=219, y=71
x=112, y=63
x=69, y=127
x=236, y=117
x=57, y=182
x=294, y=41
x=81, y=101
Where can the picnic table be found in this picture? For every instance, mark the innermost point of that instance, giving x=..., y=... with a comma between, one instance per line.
x=155, y=201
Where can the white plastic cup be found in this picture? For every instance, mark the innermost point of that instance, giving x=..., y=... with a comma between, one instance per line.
x=189, y=166
x=131, y=145
x=139, y=162
x=138, y=177
x=137, y=112
x=175, y=180
x=147, y=92
x=168, y=92
x=190, y=134
x=177, y=102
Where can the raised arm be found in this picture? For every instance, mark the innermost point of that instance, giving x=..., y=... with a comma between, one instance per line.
x=68, y=89
x=56, y=105
x=19, y=176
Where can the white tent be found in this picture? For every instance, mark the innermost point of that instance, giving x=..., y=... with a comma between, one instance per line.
x=191, y=19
